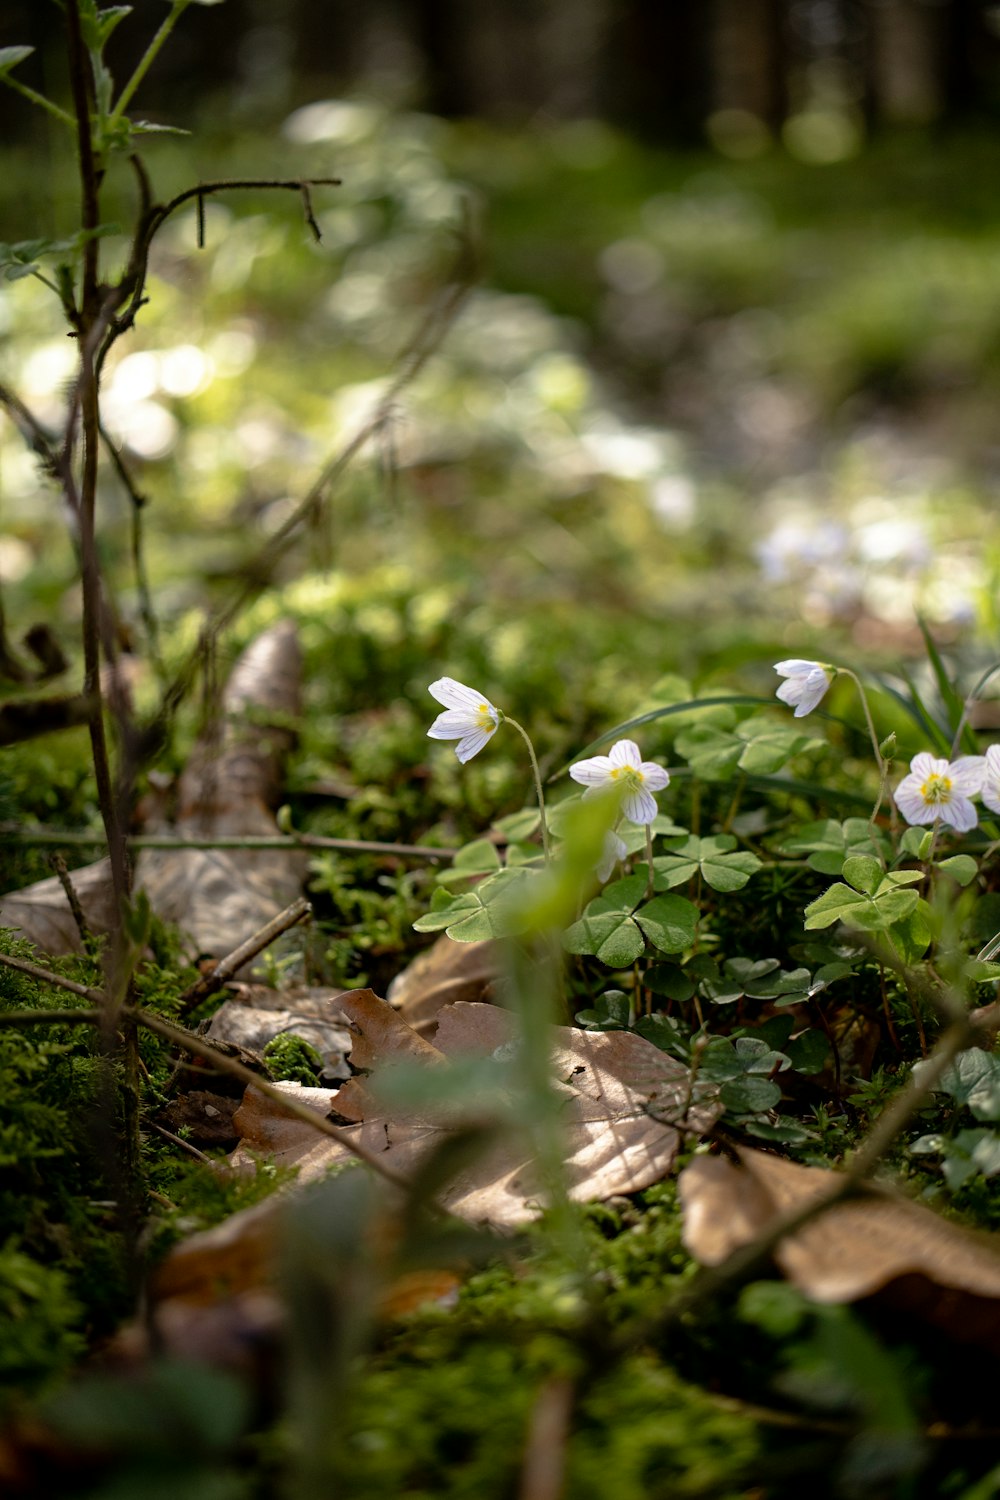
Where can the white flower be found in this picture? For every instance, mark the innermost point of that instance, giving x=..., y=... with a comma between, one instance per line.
x=939, y=790
x=615, y=850
x=991, y=779
x=470, y=717
x=623, y=769
x=807, y=682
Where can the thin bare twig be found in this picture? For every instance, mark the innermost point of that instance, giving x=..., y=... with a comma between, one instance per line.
x=178, y=1140
x=224, y=1064
x=58, y=864
x=46, y=976
x=43, y=838
x=227, y=967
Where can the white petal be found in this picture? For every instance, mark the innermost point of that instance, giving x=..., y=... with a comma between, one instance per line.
x=910, y=801
x=456, y=695
x=473, y=743
x=991, y=795
x=625, y=753
x=615, y=850
x=790, y=692
x=656, y=777
x=925, y=764
x=639, y=806
x=453, y=724
x=796, y=666
x=812, y=691
x=960, y=813
x=993, y=760
x=594, y=772
x=968, y=773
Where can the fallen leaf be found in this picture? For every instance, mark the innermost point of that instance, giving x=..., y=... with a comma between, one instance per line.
x=444, y=974
x=879, y=1243
x=217, y=897
x=624, y=1113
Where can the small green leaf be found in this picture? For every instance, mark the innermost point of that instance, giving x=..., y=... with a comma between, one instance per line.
x=611, y=936
x=670, y=922
x=828, y=843
x=911, y=935
x=11, y=56
x=771, y=745
x=863, y=873
x=808, y=1053
x=471, y=861
x=669, y=980
x=973, y=1080
x=750, y=1095
x=961, y=867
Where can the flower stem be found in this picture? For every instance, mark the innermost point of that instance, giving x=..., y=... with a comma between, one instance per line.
x=880, y=761
x=649, y=862
x=538, y=782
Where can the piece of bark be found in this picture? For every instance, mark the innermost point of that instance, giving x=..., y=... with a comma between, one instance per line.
x=444, y=974
x=878, y=1243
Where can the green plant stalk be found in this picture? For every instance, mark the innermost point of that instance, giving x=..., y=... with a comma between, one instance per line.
x=880, y=761
x=538, y=782
x=55, y=110
x=146, y=60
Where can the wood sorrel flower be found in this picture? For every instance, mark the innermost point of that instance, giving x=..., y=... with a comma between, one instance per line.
x=939, y=790
x=470, y=717
x=624, y=770
x=991, y=779
x=807, y=682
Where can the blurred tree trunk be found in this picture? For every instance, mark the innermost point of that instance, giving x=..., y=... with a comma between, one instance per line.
x=749, y=58
x=656, y=73
x=906, y=49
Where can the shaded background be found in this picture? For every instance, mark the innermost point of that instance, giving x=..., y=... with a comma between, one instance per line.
x=666, y=68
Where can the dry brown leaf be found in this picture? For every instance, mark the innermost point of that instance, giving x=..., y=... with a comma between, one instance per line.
x=444, y=974
x=217, y=897
x=41, y=912
x=878, y=1243
x=620, y=1096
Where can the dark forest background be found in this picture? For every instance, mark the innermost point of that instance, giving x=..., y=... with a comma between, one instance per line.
x=664, y=68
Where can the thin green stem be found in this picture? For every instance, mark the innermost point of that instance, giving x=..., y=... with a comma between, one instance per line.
x=968, y=705
x=143, y=65
x=538, y=782
x=649, y=862
x=29, y=93
x=880, y=761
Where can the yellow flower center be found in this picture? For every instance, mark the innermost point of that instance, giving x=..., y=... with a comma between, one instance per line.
x=630, y=776
x=936, y=790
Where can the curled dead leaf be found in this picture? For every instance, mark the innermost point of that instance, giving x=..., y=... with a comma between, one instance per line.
x=877, y=1243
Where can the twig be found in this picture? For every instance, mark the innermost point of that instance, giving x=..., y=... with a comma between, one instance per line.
x=543, y=1471
x=178, y=1140
x=27, y=717
x=51, y=1017
x=203, y=1048
x=46, y=976
x=751, y=1258
x=42, y=838
x=58, y=864
x=425, y=342
x=139, y=503
x=227, y=967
